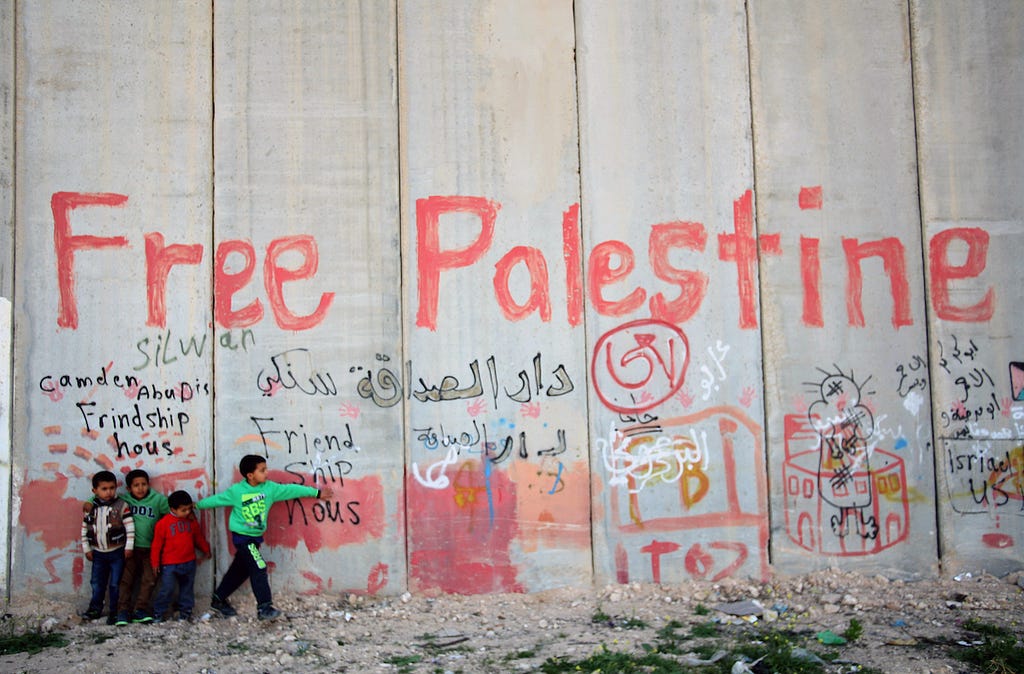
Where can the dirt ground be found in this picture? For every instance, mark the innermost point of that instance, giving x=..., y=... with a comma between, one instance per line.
x=907, y=627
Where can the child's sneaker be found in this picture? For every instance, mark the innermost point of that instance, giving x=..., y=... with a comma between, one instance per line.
x=121, y=619
x=111, y=618
x=142, y=617
x=184, y=617
x=92, y=614
x=222, y=607
x=266, y=612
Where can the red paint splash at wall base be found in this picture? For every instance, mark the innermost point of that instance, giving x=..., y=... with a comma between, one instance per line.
x=456, y=543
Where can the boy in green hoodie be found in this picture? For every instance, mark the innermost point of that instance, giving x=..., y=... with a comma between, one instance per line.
x=147, y=507
x=250, y=500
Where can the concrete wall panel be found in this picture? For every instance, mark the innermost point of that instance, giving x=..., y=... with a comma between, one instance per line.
x=495, y=376
x=307, y=232
x=7, y=93
x=969, y=74
x=850, y=456
x=680, y=489
x=112, y=302
x=6, y=272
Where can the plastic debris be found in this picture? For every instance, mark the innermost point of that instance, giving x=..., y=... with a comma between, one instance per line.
x=830, y=638
x=694, y=661
x=962, y=576
x=741, y=667
x=805, y=655
x=750, y=607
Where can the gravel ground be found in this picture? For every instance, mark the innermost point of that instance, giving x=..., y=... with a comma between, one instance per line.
x=907, y=627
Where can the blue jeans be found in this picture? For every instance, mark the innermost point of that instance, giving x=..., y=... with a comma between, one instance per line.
x=107, y=568
x=182, y=576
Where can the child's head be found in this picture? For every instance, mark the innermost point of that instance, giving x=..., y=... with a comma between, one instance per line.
x=137, y=482
x=180, y=503
x=253, y=468
x=104, y=485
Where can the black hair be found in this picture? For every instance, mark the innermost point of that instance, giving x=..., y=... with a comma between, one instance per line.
x=249, y=464
x=179, y=498
x=132, y=474
x=103, y=476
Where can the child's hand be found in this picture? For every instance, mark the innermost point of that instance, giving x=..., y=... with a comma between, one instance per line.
x=88, y=555
x=128, y=554
x=326, y=493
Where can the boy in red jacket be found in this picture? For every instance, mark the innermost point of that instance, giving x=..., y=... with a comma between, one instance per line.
x=173, y=555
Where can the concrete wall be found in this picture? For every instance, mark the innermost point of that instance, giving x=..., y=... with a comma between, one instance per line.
x=549, y=293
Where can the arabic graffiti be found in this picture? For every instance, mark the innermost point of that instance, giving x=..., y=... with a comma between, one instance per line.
x=386, y=389
x=639, y=461
x=476, y=441
x=294, y=370
x=974, y=393
x=692, y=460
x=639, y=365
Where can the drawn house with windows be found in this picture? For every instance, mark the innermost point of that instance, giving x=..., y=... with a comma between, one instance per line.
x=809, y=512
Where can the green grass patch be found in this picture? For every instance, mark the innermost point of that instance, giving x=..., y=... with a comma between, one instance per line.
x=403, y=663
x=704, y=630
x=611, y=662
x=31, y=641
x=998, y=652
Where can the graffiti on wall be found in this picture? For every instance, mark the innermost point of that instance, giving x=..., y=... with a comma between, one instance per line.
x=109, y=419
x=495, y=466
x=981, y=426
x=678, y=485
x=844, y=495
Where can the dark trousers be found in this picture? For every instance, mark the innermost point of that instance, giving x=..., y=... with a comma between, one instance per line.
x=107, y=568
x=247, y=564
x=181, y=576
x=137, y=571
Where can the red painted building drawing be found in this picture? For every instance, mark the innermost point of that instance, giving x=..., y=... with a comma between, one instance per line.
x=808, y=510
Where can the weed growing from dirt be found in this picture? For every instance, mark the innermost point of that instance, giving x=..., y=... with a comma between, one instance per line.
x=854, y=631
x=998, y=652
x=709, y=648
x=15, y=638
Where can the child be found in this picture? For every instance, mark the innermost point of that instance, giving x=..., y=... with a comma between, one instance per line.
x=108, y=537
x=173, y=555
x=147, y=507
x=250, y=500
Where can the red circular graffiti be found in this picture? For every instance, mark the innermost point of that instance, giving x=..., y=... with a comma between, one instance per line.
x=639, y=365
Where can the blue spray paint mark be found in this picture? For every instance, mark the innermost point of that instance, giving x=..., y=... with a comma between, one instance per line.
x=558, y=478
x=901, y=443
x=490, y=496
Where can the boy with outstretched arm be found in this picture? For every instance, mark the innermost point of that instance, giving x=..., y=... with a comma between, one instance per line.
x=108, y=537
x=173, y=556
x=250, y=500
x=147, y=506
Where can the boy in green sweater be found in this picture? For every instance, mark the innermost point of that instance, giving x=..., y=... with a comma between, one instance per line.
x=250, y=500
x=147, y=507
